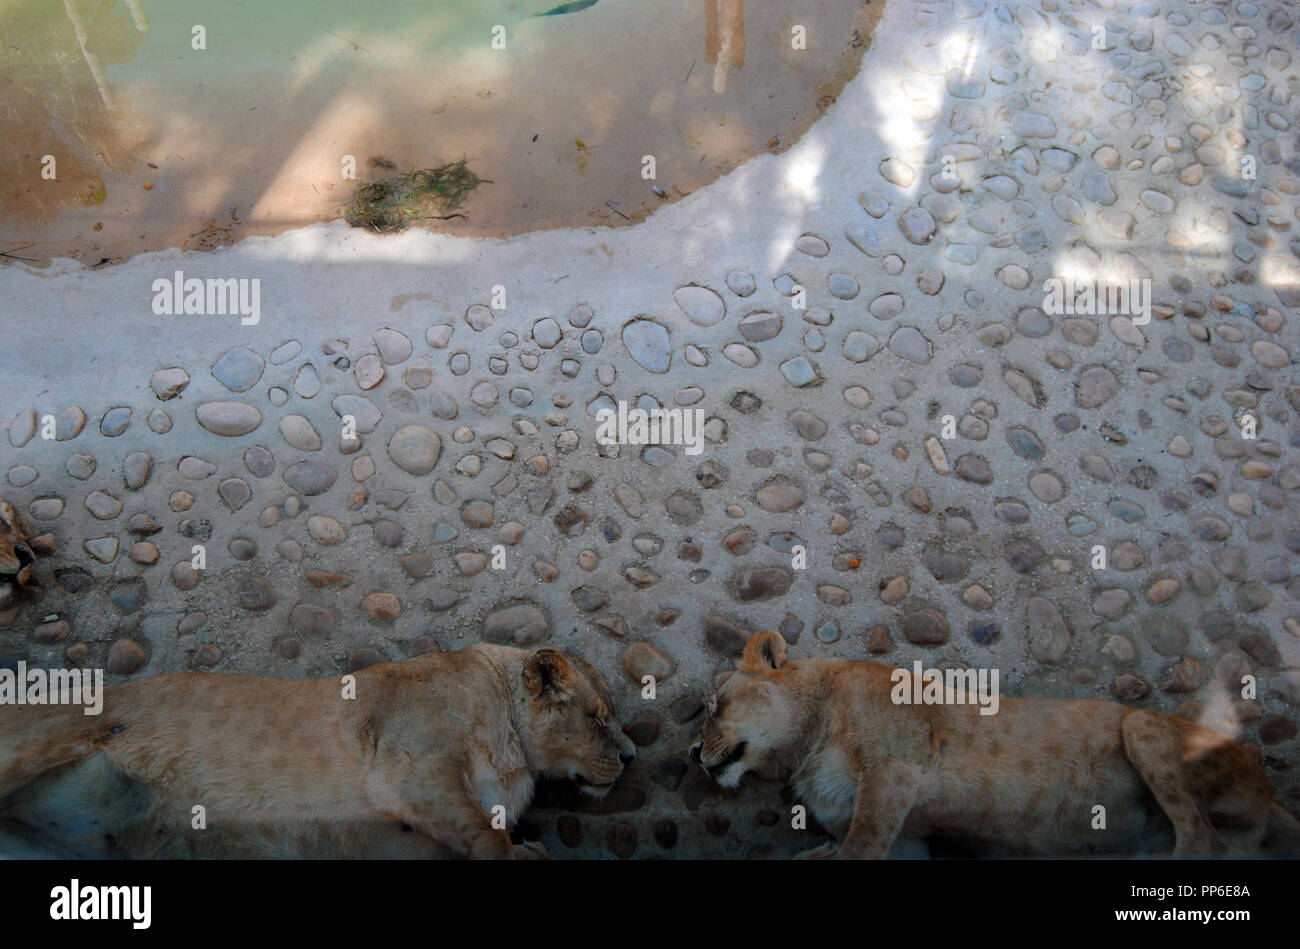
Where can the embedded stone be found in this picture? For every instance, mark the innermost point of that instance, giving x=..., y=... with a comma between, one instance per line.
x=642, y=659
x=310, y=478
x=519, y=624
x=415, y=449
x=705, y=307
x=230, y=419
x=648, y=344
x=1049, y=637
x=300, y=433
x=238, y=369
x=394, y=347
x=169, y=383
x=326, y=530
x=926, y=628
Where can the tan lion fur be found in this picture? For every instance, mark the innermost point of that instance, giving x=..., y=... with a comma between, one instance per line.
x=414, y=766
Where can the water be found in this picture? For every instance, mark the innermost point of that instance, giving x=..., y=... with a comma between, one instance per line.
x=157, y=143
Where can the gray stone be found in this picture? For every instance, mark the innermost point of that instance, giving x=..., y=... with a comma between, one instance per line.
x=519, y=624
x=361, y=409
x=842, y=286
x=415, y=449
x=909, y=343
x=926, y=628
x=103, y=506
x=115, y=421
x=760, y=583
x=799, y=372
x=300, y=433
x=860, y=346
x=238, y=369
x=394, y=347
x=760, y=327
x=169, y=383
x=648, y=344
x=231, y=419
x=917, y=225
x=310, y=478
x=702, y=305
x=136, y=469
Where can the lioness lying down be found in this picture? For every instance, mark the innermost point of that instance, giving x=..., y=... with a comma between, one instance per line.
x=418, y=764
x=1025, y=780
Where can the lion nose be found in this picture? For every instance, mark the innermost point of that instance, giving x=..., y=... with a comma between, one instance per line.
x=695, y=751
x=626, y=756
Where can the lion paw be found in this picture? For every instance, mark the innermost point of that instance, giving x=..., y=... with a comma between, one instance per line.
x=530, y=850
x=825, y=852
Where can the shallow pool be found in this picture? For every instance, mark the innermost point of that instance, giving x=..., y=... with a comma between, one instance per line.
x=142, y=124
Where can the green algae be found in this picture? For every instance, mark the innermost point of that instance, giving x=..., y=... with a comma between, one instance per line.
x=390, y=204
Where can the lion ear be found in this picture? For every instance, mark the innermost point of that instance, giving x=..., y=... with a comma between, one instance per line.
x=547, y=674
x=764, y=651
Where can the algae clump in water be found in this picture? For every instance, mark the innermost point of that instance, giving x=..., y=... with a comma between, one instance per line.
x=390, y=204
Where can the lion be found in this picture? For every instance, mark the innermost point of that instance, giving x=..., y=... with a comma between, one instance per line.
x=434, y=756
x=16, y=557
x=1040, y=777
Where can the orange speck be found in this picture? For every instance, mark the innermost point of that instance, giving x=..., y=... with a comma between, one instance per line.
x=148, y=186
x=854, y=563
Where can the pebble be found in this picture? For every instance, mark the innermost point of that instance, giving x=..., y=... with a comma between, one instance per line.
x=169, y=383
x=394, y=347
x=125, y=656
x=415, y=449
x=238, y=369
x=760, y=327
x=909, y=343
x=703, y=306
x=103, y=549
x=917, y=225
x=648, y=344
x=642, y=659
x=326, y=530
x=842, y=286
x=926, y=628
x=253, y=594
x=1096, y=386
x=382, y=607
x=975, y=469
x=368, y=371
x=780, y=496
x=1049, y=637
x=115, y=421
x=743, y=356
x=310, y=478
x=231, y=419
x=299, y=433
x=799, y=372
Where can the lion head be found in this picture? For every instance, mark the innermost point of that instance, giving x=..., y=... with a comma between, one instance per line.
x=16, y=558
x=751, y=718
x=571, y=730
